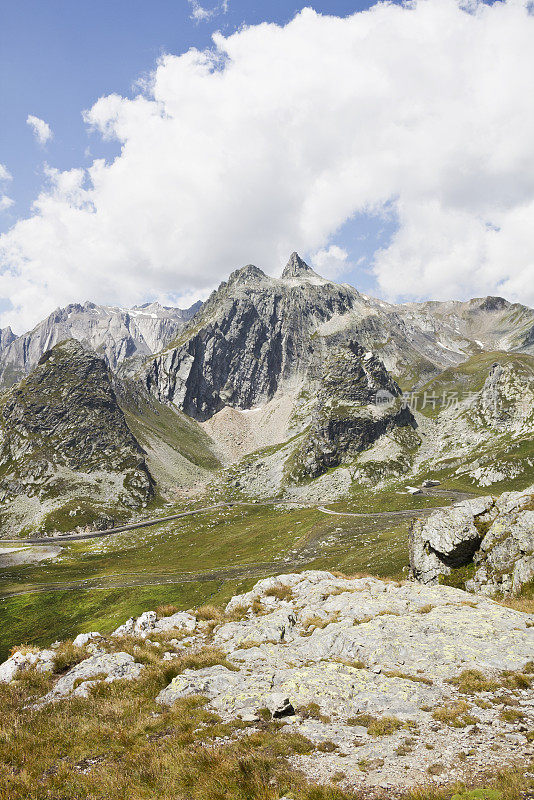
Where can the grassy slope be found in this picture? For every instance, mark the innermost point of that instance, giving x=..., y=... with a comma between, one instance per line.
x=150, y=420
x=470, y=376
x=214, y=542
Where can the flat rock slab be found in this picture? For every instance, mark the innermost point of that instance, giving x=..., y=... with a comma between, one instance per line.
x=338, y=648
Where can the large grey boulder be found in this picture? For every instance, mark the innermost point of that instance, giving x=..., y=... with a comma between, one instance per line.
x=106, y=667
x=496, y=534
x=448, y=538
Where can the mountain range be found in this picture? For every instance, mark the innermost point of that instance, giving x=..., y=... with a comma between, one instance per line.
x=294, y=387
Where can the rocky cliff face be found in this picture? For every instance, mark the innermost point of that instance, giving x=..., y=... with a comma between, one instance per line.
x=252, y=337
x=357, y=403
x=65, y=444
x=116, y=334
x=495, y=535
x=6, y=337
x=257, y=335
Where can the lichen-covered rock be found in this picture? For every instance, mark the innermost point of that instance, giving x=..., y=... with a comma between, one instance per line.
x=20, y=661
x=106, y=667
x=361, y=666
x=306, y=647
x=497, y=534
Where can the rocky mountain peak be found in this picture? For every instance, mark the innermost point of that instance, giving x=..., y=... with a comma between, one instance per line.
x=246, y=276
x=297, y=268
x=493, y=304
x=6, y=337
x=64, y=439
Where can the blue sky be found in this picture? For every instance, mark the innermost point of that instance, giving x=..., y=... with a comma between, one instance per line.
x=57, y=57
x=433, y=129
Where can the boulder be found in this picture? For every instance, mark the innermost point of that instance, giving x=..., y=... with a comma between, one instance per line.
x=447, y=539
x=107, y=667
x=148, y=623
x=20, y=661
x=84, y=638
x=496, y=534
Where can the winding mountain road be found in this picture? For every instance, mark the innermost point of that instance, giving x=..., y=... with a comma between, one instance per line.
x=295, y=559
x=73, y=537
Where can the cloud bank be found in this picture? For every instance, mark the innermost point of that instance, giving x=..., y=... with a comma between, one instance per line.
x=41, y=129
x=277, y=136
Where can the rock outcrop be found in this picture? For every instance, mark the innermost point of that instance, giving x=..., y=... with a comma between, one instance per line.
x=106, y=667
x=495, y=535
x=64, y=438
x=357, y=403
x=252, y=336
x=386, y=680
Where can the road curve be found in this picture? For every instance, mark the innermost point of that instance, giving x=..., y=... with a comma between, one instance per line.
x=74, y=537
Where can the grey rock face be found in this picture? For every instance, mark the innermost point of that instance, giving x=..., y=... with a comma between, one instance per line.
x=6, y=337
x=497, y=534
x=78, y=680
x=64, y=420
x=116, y=334
x=449, y=538
x=350, y=415
x=253, y=334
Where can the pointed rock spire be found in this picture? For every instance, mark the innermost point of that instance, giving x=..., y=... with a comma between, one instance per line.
x=296, y=267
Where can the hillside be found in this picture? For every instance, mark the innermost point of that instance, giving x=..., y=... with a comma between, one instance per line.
x=67, y=456
x=310, y=685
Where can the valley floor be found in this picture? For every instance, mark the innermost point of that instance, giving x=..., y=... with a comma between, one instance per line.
x=208, y=556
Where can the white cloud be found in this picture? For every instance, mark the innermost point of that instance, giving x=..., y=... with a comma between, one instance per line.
x=41, y=129
x=331, y=262
x=5, y=175
x=201, y=14
x=277, y=136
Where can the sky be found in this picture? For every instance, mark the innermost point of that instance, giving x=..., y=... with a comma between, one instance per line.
x=147, y=149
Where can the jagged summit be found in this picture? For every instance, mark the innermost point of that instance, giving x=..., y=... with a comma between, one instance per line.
x=249, y=274
x=297, y=268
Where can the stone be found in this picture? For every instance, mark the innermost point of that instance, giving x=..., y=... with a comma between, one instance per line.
x=182, y=621
x=496, y=534
x=279, y=706
x=20, y=661
x=78, y=680
x=84, y=638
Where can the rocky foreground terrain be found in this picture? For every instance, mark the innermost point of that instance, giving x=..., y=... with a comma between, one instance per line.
x=392, y=685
